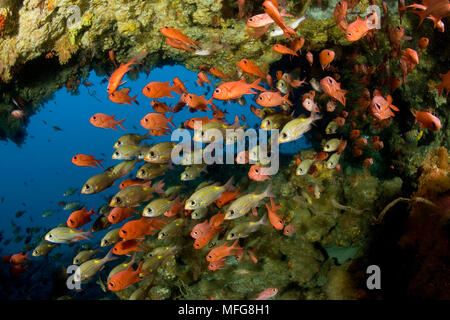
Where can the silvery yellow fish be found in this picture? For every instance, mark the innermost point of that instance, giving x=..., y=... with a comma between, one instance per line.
x=160, y=153
x=304, y=167
x=151, y=171
x=244, y=229
x=171, y=229
x=275, y=121
x=122, y=169
x=295, y=129
x=333, y=160
x=43, y=249
x=65, y=235
x=192, y=172
x=332, y=145
x=130, y=139
x=90, y=268
x=98, y=183
x=110, y=238
x=207, y=195
x=83, y=256
x=134, y=195
x=126, y=152
x=244, y=204
x=157, y=207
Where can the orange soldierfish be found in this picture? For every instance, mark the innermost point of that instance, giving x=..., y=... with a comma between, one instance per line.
x=445, y=85
x=326, y=57
x=117, y=215
x=263, y=20
x=217, y=73
x=217, y=265
x=19, y=258
x=297, y=44
x=101, y=120
x=198, y=103
x=427, y=120
x=112, y=57
x=157, y=89
x=333, y=89
x=123, y=279
x=84, y=160
x=272, y=99
x=359, y=28
x=250, y=67
x=227, y=197
x=203, y=78
x=178, y=86
x=138, y=229
x=190, y=123
x=130, y=182
x=218, y=114
x=283, y=50
x=126, y=247
x=122, y=96
x=274, y=219
x=178, y=45
x=159, y=132
x=340, y=15
x=222, y=251
x=159, y=107
x=178, y=35
x=380, y=108
x=156, y=121
x=273, y=12
x=236, y=89
x=116, y=78
x=258, y=173
x=79, y=218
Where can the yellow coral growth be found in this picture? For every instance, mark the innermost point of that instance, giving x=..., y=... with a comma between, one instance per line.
x=435, y=178
x=64, y=48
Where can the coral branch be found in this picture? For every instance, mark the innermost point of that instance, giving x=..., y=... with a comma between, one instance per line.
x=394, y=202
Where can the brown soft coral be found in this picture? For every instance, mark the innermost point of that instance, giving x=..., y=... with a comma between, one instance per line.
x=65, y=49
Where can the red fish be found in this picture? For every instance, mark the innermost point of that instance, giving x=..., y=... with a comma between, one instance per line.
x=380, y=108
x=178, y=35
x=116, y=78
x=190, y=123
x=157, y=89
x=101, y=120
x=138, y=229
x=333, y=89
x=227, y=197
x=123, y=279
x=198, y=103
x=84, y=160
x=19, y=258
x=297, y=44
x=273, y=12
x=263, y=20
x=160, y=107
x=236, y=89
x=272, y=99
x=217, y=265
x=130, y=182
x=79, y=218
x=359, y=28
x=218, y=73
x=289, y=230
x=178, y=85
x=117, y=215
x=122, y=96
x=284, y=50
x=267, y=294
x=205, y=231
x=156, y=121
x=274, y=219
x=222, y=251
x=251, y=68
x=340, y=15
x=202, y=78
x=427, y=120
x=326, y=57
x=174, y=43
x=445, y=85
x=258, y=173
x=126, y=247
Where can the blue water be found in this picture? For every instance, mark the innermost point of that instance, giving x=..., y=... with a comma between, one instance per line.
x=36, y=174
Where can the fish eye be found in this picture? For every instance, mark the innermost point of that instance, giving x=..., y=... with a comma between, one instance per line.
x=190, y=96
x=163, y=234
x=274, y=290
x=378, y=106
x=210, y=256
x=349, y=34
x=116, y=153
x=71, y=221
x=260, y=98
x=94, y=118
x=50, y=235
x=284, y=135
x=232, y=235
x=124, y=231
x=232, y=212
x=111, y=284
x=251, y=19
x=245, y=61
x=141, y=172
x=197, y=245
x=118, y=200
x=76, y=261
x=149, y=210
x=115, y=249
x=330, y=81
x=152, y=153
x=256, y=170
x=398, y=28
x=192, y=203
x=119, y=143
x=146, y=120
x=75, y=158
x=217, y=91
x=148, y=89
x=195, y=233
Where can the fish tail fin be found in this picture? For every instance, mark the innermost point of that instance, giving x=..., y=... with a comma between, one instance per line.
x=229, y=184
x=170, y=120
x=255, y=85
x=315, y=116
x=176, y=88
x=120, y=124
x=134, y=99
x=422, y=15
x=109, y=256
x=98, y=162
x=264, y=221
x=210, y=102
x=158, y=188
x=235, y=245
x=268, y=192
x=286, y=99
